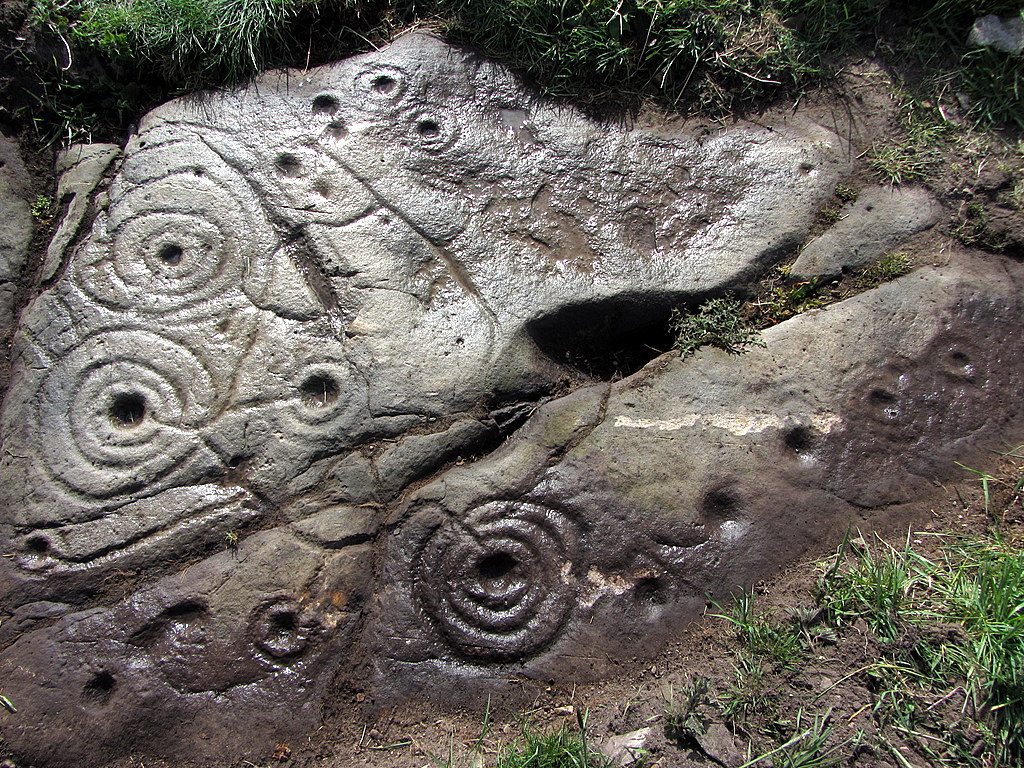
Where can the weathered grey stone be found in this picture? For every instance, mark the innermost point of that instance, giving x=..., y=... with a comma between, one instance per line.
x=81, y=168
x=247, y=637
x=340, y=526
x=605, y=522
x=249, y=441
x=876, y=222
x=418, y=455
x=289, y=272
x=16, y=225
x=627, y=748
x=15, y=231
x=1005, y=35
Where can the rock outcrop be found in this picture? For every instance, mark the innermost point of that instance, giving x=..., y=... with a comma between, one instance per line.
x=345, y=378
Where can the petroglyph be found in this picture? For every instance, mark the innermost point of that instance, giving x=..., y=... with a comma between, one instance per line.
x=293, y=411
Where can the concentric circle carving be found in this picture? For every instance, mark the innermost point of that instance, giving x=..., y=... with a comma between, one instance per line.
x=326, y=397
x=382, y=85
x=432, y=131
x=179, y=240
x=120, y=411
x=498, y=585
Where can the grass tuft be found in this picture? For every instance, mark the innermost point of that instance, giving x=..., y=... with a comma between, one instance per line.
x=888, y=267
x=563, y=747
x=717, y=323
x=951, y=622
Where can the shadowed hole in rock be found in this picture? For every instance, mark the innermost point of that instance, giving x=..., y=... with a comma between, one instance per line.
x=607, y=339
x=37, y=545
x=383, y=84
x=170, y=254
x=720, y=505
x=325, y=104
x=496, y=566
x=180, y=613
x=99, y=688
x=283, y=622
x=288, y=165
x=651, y=590
x=337, y=130
x=127, y=410
x=280, y=634
x=187, y=610
x=800, y=439
x=882, y=397
x=318, y=391
x=428, y=129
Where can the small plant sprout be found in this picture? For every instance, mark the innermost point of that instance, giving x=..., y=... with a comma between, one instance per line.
x=42, y=209
x=888, y=267
x=717, y=323
x=785, y=301
x=681, y=708
x=846, y=194
x=231, y=539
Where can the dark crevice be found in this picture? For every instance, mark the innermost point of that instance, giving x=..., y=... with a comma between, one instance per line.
x=610, y=338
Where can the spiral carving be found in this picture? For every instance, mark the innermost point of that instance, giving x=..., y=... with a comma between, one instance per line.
x=498, y=585
x=120, y=411
x=180, y=239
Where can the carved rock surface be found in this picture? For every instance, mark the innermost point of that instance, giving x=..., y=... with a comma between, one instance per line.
x=286, y=415
x=603, y=524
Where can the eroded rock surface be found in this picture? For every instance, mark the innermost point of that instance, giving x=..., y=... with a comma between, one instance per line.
x=15, y=233
x=287, y=414
x=877, y=221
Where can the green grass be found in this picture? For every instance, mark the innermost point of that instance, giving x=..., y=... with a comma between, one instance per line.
x=562, y=747
x=888, y=267
x=774, y=641
x=972, y=226
x=786, y=300
x=188, y=40
x=897, y=163
x=807, y=748
x=710, y=56
x=716, y=323
x=966, y=607
x=682, y=708
x=707, y=54
x=534, y=747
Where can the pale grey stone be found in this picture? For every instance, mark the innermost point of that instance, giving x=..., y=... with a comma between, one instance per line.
x=627, y=748
x=287, y=272
x=81, y=168
x=876, y=222
x=16, y=222
x=1005, y=35
x=15, y=233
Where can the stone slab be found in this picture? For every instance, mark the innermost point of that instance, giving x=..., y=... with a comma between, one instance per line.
x=303, y=405
x=870, y=226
